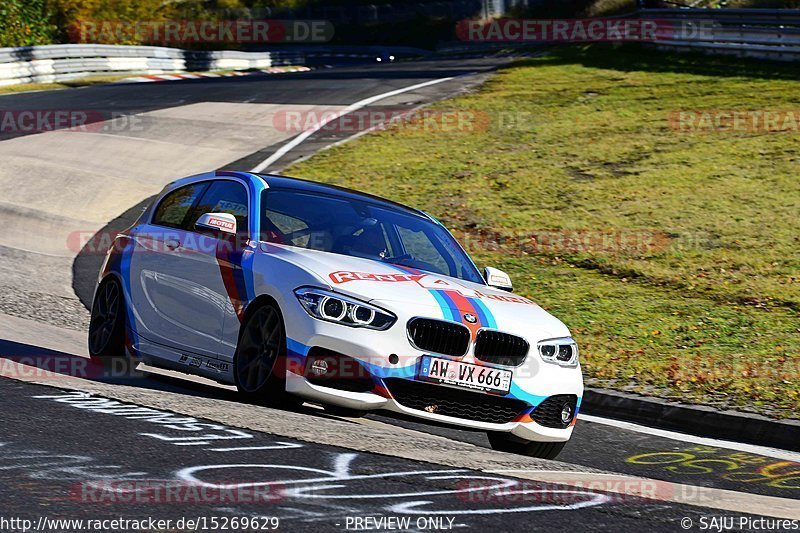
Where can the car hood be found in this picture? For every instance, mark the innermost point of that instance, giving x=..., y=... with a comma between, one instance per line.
x=412, y=292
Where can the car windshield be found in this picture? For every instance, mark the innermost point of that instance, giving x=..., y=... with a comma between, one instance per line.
x=363, y=229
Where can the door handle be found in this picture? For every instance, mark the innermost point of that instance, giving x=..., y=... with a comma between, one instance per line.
x=172, y=244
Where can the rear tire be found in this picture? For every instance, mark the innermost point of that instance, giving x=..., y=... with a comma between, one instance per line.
x=259, y=365
x=107, y=323
x=504, y=442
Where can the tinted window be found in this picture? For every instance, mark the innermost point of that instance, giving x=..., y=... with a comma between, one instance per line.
x=363, y=229
x=175, y=206
x=277, y=224
x=224, y=197
x=419, y=245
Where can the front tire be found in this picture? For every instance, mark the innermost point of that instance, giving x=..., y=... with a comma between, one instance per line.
x=260, y=360
x=107, y=323
x=504, y=442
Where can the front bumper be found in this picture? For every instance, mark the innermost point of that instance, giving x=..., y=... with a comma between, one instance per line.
x=532, y=383
x=527, y=430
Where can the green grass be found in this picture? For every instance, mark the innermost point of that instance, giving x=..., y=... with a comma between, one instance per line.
x=26, y=87
x=79, y=82
x=703, y=303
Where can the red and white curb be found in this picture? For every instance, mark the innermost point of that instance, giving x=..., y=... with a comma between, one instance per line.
x=199, y=75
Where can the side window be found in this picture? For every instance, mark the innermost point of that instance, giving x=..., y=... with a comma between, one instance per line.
x=422, y=249
x=277, y=225
x=175, y=206
x=223, y=196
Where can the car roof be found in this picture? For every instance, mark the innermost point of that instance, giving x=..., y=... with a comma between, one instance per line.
x=298, y=184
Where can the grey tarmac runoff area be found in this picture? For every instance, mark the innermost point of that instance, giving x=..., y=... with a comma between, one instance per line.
x=84, y=442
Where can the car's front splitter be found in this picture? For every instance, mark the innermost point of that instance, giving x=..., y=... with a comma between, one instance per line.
x=380, y=398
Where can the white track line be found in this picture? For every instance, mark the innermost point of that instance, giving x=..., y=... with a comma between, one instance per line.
x=291, y=145
x=683, y=437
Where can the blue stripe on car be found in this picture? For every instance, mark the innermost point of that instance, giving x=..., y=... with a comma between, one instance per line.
x=484, y=313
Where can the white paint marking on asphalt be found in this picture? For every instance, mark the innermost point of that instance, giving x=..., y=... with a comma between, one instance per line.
x=276, y=446
x=683, y=437
x=291, y=145
x=356, y=135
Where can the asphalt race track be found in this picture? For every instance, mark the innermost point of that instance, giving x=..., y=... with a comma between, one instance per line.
x=343, y=483
x=81, y=441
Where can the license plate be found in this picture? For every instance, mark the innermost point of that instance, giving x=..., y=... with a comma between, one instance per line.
x=464, y=375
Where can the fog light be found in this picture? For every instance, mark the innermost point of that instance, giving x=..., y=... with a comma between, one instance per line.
x=319, y=367
x=566, y=413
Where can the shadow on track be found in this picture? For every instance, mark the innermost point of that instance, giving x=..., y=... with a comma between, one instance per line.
x=56, y=368
x=87, y=264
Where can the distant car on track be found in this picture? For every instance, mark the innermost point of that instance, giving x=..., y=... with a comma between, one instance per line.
x=294, y=290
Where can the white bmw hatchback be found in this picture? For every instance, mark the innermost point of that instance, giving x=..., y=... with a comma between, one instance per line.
x=294, y=290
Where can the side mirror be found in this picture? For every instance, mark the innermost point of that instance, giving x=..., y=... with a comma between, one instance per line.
x=498, y=279
x=219, y=222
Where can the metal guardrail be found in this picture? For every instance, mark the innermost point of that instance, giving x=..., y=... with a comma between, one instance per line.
x=772, y=34
x=54, y=63
x=758, y=33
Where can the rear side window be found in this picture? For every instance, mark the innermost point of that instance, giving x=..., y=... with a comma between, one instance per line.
x=223, y=196
x=172, y=210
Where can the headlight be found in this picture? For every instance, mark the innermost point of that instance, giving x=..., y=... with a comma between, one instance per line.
x=563, y=351
x=332, y=307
